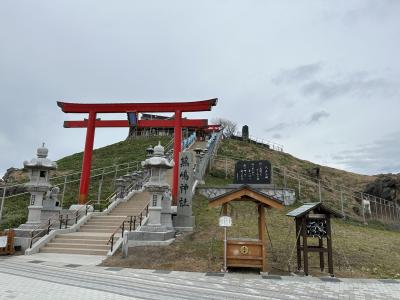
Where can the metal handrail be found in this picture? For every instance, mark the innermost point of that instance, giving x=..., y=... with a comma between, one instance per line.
x=45, y=222
x=132, y=221
x=48, y=223
x=76, y=214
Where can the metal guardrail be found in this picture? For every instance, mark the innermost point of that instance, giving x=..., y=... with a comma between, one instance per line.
x=256, y=140
x=131, y=220
x=381, y=209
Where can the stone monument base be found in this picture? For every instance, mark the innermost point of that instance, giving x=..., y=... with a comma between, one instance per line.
x=151, y=235
x=184, y=223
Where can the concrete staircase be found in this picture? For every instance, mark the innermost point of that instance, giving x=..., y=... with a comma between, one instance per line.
x=93, y=236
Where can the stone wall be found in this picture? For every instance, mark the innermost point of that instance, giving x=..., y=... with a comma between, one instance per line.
x=287, y=196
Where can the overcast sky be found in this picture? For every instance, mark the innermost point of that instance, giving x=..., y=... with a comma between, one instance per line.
x=320, y=77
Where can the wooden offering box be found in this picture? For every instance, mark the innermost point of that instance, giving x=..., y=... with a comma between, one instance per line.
x=247, y=253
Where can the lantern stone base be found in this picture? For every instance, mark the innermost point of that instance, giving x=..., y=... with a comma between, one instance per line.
x=23, y=235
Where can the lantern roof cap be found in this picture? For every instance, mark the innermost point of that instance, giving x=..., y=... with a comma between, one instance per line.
x=41, y=161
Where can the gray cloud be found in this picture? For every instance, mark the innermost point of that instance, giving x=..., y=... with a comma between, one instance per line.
x=379, y=156
x=354, y=85
x=278, y=127
x=299, y=73
x=377, y=11
x=313, y=119
x=317, y=116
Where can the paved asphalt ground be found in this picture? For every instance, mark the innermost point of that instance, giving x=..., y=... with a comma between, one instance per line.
x=59, y=276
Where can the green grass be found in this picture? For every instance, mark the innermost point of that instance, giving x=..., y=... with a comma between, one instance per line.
x=359, y=251
x=15, y=208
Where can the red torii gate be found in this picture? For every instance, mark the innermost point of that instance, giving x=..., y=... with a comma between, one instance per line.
x=91, y=123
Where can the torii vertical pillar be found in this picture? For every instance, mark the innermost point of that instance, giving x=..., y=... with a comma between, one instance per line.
x=177, y=150
x=87, y=158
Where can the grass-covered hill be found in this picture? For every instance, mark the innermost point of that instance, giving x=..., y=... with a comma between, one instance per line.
x=359, y=250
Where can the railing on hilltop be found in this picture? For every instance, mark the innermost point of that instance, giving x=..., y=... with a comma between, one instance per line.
x=365, y=206
x=258, y=141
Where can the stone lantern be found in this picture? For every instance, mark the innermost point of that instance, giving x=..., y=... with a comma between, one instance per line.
x=158, y=187
x=43, y=201
x=38, y=186
x=158, y=229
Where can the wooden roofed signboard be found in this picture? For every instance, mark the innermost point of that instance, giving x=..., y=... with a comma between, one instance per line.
x=245, y=252
x=246, y=193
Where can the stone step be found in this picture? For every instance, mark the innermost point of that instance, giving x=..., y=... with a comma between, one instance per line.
x=129, y=208
x=106, y=223
x=103, y=226
x=74, y=251
x=78, y=236
x=136, y=211
x=78, y=246
x=106, y=218
x=80, y=241
x=138, y=206
x=97, y=230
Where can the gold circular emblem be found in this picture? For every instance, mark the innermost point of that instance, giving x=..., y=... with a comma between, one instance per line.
x=244, y=250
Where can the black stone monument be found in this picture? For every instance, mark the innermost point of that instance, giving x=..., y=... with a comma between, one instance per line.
x=253, y=172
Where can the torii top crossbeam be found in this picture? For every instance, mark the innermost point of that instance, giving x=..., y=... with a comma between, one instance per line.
x=204, y=105
x=91, y=123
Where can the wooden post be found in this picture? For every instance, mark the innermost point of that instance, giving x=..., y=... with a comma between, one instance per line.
x=305, y=246
x=321, y=254
x=298, y=246
x=261, y=234
x=329, y=245
x=225, y=209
